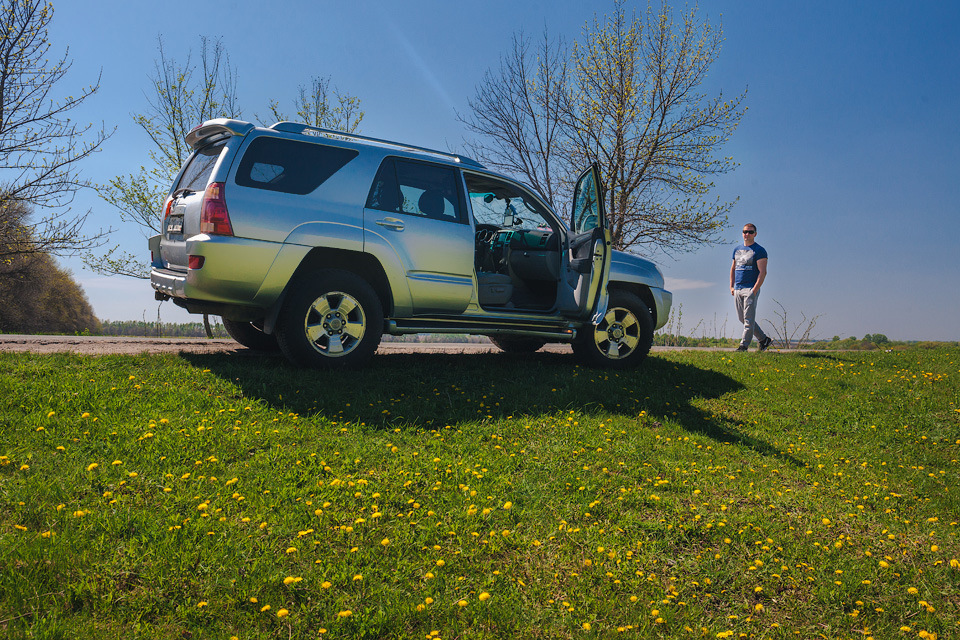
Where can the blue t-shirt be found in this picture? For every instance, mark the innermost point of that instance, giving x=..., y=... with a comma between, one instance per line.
x=746, y=259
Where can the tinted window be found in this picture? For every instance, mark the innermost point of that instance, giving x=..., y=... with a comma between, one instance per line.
x=197, y=174
x=416, y=188
x=290, y=166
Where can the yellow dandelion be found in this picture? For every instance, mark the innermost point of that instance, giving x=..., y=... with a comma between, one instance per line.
x=292, y=580
x=92, y=466
x=483, y=597
x=462, y=603
x=507, y=505
x=283, y=613
x=325, y=584
x=264, y=608
x=586, y=626
x=385, y=542
x=345, y=614
x=289, y=549
x=201, y=604
x=358, y=577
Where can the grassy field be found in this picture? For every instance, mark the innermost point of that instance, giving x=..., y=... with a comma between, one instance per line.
x=707, y=495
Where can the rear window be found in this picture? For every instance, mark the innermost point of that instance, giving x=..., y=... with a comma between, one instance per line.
x=289, y=166
x=197, y=174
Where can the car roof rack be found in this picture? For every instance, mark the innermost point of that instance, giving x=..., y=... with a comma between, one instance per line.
x=304, y=129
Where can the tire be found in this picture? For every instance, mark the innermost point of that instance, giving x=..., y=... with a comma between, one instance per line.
x=623, y=338
x=517, y=345
x=332, y=319
x=250, y=335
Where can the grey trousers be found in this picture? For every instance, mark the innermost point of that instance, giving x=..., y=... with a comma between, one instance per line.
x=747, y=314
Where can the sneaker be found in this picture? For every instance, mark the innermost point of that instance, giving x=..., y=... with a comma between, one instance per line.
x=741, y=348
x=765, y=343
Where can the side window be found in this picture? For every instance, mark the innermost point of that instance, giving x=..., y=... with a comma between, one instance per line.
x=417, y=189
x=289, y=166
x=197, y=174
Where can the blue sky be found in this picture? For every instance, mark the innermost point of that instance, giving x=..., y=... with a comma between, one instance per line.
x=848, y=152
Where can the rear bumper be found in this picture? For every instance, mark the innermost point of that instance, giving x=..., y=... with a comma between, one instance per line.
x=235, y=271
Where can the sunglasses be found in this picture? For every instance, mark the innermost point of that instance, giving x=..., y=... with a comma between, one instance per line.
x=749, y=231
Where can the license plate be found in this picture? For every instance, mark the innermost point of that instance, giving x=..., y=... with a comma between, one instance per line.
x=175, y=224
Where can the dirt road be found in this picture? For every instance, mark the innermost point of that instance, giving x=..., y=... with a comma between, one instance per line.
x=103, y=345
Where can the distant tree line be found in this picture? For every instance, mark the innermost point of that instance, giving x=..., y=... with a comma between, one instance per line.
x=36, y=296
x=145, y=328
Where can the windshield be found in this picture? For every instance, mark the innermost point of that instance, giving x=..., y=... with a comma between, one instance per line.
x=503, y=205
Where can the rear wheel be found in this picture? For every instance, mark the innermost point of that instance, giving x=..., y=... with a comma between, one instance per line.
x=517, y=345
x=250, y=335
x=622, y=339
x=331, y=319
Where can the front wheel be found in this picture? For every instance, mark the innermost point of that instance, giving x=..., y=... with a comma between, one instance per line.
x=623, y=337
x=331, y=319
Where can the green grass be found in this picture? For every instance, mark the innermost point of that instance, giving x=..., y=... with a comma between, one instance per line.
x=707, y=495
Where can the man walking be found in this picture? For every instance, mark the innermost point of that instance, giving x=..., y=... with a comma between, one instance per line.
x=747, y=273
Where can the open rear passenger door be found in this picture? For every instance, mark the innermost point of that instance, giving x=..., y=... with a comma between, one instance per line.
x=590, y=245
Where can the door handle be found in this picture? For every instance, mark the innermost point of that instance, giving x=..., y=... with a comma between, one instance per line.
x=391, y=223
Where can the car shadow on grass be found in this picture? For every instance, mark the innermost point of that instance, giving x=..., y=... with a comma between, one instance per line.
x=433, y=390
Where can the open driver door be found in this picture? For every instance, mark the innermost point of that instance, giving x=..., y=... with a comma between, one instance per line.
x=590, y=245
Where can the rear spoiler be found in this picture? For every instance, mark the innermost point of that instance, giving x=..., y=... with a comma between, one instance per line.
x=217, y=127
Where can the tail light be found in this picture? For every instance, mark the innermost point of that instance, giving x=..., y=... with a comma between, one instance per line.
x=214, y=218
x=167, y=208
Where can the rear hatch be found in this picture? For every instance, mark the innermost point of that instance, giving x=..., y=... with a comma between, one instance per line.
x=183, y=206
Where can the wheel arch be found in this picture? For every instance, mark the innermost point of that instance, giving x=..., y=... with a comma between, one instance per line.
x=362, y=264
x=641, y=291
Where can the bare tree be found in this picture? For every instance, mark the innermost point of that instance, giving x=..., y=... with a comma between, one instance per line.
x=630, y=97
x=41, y=147
x=518, y=111
x=319, y=105
x=786, y=336
x=639, y=111
x=182, y=95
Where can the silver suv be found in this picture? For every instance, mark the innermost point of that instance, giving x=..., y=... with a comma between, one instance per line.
x=318, y=242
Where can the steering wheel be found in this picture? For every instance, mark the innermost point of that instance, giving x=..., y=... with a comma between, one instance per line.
x=486, y=233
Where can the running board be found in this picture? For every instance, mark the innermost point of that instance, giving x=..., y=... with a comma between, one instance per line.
x=474, y=327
